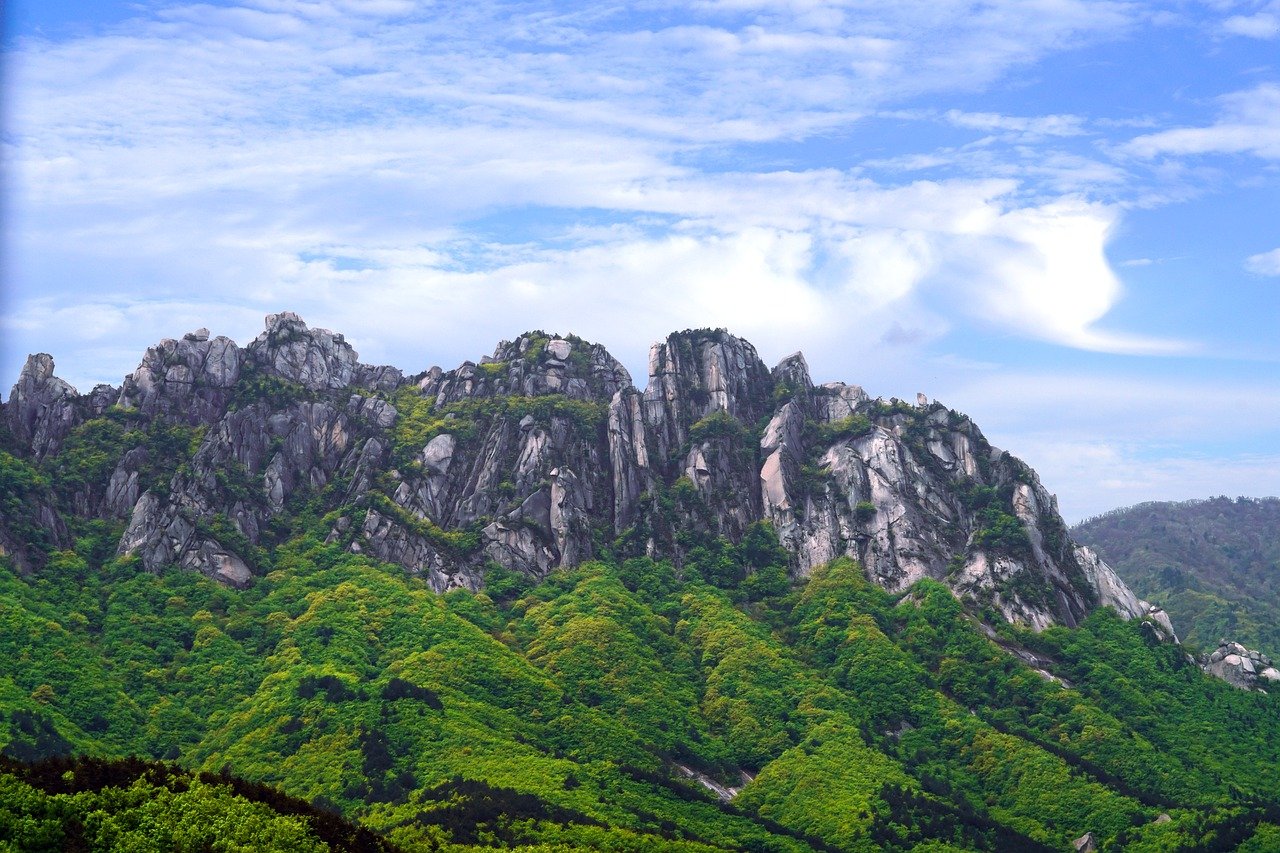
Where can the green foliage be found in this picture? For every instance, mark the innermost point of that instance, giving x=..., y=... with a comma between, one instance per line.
x=91, y=451
x=556, y=713
x=255, y=387
x=22, y=490
x=718, y=424
x=1214, y=565
x=827, y=434
x=833, y=758
x=757, y=565
x=1001, y=532
x=420, y=420
x=134, y=805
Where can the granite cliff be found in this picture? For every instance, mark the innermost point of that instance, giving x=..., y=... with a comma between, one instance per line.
x=543, y=455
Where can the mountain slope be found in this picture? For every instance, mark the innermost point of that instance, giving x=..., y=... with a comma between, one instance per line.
x=846, y=717
x=1214, y=565
x=523, y=604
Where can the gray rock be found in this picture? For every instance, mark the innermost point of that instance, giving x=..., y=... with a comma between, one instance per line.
x=42, y=409
x=793, y=374
x=631, y=473
x=1240, y=667
x=377, y=411
x=388, y=540
x=317, y=359
x=559, y=349
x=899, y=487
x=187, y=381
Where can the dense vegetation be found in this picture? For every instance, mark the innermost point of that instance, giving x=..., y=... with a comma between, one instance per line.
x=577, y=713
x=60, y=804
x=1214, y=565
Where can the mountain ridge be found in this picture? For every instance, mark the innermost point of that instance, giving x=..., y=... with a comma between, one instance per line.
x=535, y=454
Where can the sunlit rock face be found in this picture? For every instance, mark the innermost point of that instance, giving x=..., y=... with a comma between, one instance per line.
x=543, y=453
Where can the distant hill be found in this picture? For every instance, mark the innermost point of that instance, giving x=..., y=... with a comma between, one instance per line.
x=1214, y=565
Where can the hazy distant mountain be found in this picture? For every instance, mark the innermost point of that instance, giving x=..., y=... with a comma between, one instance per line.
x=1214, y=565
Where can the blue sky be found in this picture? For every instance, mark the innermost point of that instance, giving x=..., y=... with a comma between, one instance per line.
x=1060, y=217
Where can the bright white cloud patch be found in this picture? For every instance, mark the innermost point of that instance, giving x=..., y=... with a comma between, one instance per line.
x=1264, y=263
x=322, y=156
x=1260, y=22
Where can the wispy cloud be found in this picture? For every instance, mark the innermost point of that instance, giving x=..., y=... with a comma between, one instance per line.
x=1261, y=22
x=1264, y=263
x=1249, y=124
x=1023, y=126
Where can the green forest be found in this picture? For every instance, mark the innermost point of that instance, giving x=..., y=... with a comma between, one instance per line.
x=580, y=713
x=1213, y=564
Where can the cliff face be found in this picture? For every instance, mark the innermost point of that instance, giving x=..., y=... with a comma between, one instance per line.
x=542, y=455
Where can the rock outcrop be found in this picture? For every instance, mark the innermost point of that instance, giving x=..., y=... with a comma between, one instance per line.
x=1241, y=667
x=42, y=408
x=542, y=453
x=189, y=380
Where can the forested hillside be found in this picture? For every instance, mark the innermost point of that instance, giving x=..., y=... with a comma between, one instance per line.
x=521, y=604
x=1214, y=565
x=577, y=711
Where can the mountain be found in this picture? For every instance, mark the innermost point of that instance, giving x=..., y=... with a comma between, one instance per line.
x=541, y=455
x=1214, y=564
x=524, y=604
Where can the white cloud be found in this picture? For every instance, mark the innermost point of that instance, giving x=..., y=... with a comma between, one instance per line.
x=1263, y=22
x=1260, y=26
x=1264, y=263
x=782, y=258
x=229, y=155
x=1249, y=124
x=1026, y=126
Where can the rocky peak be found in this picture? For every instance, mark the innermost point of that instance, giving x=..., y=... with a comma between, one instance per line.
x=42, y=408
x=697, y=372
x=317, y=359
x=533, y=365
x=188, y=380
x=791, y=378
x=564, y=454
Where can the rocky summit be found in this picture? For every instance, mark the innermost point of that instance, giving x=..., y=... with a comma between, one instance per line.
x=545, y=453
